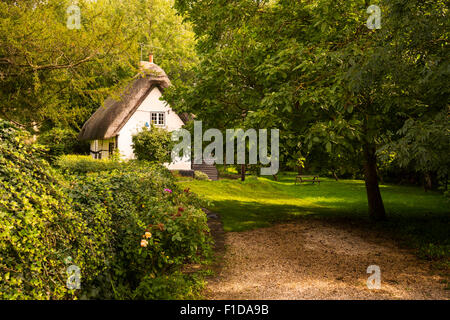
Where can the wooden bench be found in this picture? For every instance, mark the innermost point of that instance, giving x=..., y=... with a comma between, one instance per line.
x=306, y=178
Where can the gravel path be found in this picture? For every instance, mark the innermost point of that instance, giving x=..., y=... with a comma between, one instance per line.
x=313, y=259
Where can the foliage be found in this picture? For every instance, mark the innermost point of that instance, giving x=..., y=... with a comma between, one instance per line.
x=51, y=75
x=200, y=175
x=39, y=228
x=122, y=225
x=85, y=164
x=434, y=252
x=156, y=229
x=175, y=286
x=60, y=141
x=164, y=34
x=154, y=144
x=227, y=171
x=422, y=144
x=316, y=72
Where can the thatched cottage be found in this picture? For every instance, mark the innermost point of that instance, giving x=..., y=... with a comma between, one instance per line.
x=112, y=126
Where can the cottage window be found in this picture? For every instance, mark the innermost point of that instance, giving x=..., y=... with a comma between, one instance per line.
x=158, y=118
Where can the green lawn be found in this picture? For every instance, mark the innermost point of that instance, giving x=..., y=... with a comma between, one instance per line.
x=420, y=218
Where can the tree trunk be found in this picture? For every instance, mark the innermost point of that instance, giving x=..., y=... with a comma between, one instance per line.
x=376, y=206
x=242, y=172
x=427, y=185
x=335, y=176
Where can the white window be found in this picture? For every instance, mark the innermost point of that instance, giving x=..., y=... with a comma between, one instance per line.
x=158, y=118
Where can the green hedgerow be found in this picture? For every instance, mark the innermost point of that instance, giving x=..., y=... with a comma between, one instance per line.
x=176, y=286
x=39, y=228
x=122, y=227
x=156, y=228
x=85, y=164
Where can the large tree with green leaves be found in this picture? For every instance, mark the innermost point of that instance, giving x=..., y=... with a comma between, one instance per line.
x=54, y=75
x=314, y=70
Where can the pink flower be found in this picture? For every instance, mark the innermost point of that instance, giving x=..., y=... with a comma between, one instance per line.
x=168, y=190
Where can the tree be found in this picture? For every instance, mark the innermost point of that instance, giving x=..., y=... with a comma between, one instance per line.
x=61, y=141
x=315, y=71
x=51, y=75
x=421, y=69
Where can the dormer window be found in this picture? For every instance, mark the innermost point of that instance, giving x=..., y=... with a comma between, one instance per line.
x=158, y=119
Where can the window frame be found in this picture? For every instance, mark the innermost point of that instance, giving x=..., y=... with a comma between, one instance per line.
x=158, y=115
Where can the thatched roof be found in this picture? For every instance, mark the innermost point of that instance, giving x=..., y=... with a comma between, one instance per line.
x=109, y=119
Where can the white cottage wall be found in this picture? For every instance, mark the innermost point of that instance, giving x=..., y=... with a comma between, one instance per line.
x=142, y=116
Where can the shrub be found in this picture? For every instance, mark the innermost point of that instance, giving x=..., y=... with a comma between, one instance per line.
x=156, y=228
x=61, y=141
x=85, y=164
x=102, y=221
x=200, y=175
x=175, y=286
x=39, y=228
x=154, y=145
x=432, y=251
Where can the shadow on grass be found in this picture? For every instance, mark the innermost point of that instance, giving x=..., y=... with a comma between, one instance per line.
x=244, y=215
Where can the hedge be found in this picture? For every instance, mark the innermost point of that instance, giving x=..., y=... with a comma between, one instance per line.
x=156, y=229
x=129, y=228
x=85, y=164
x=39, y=228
